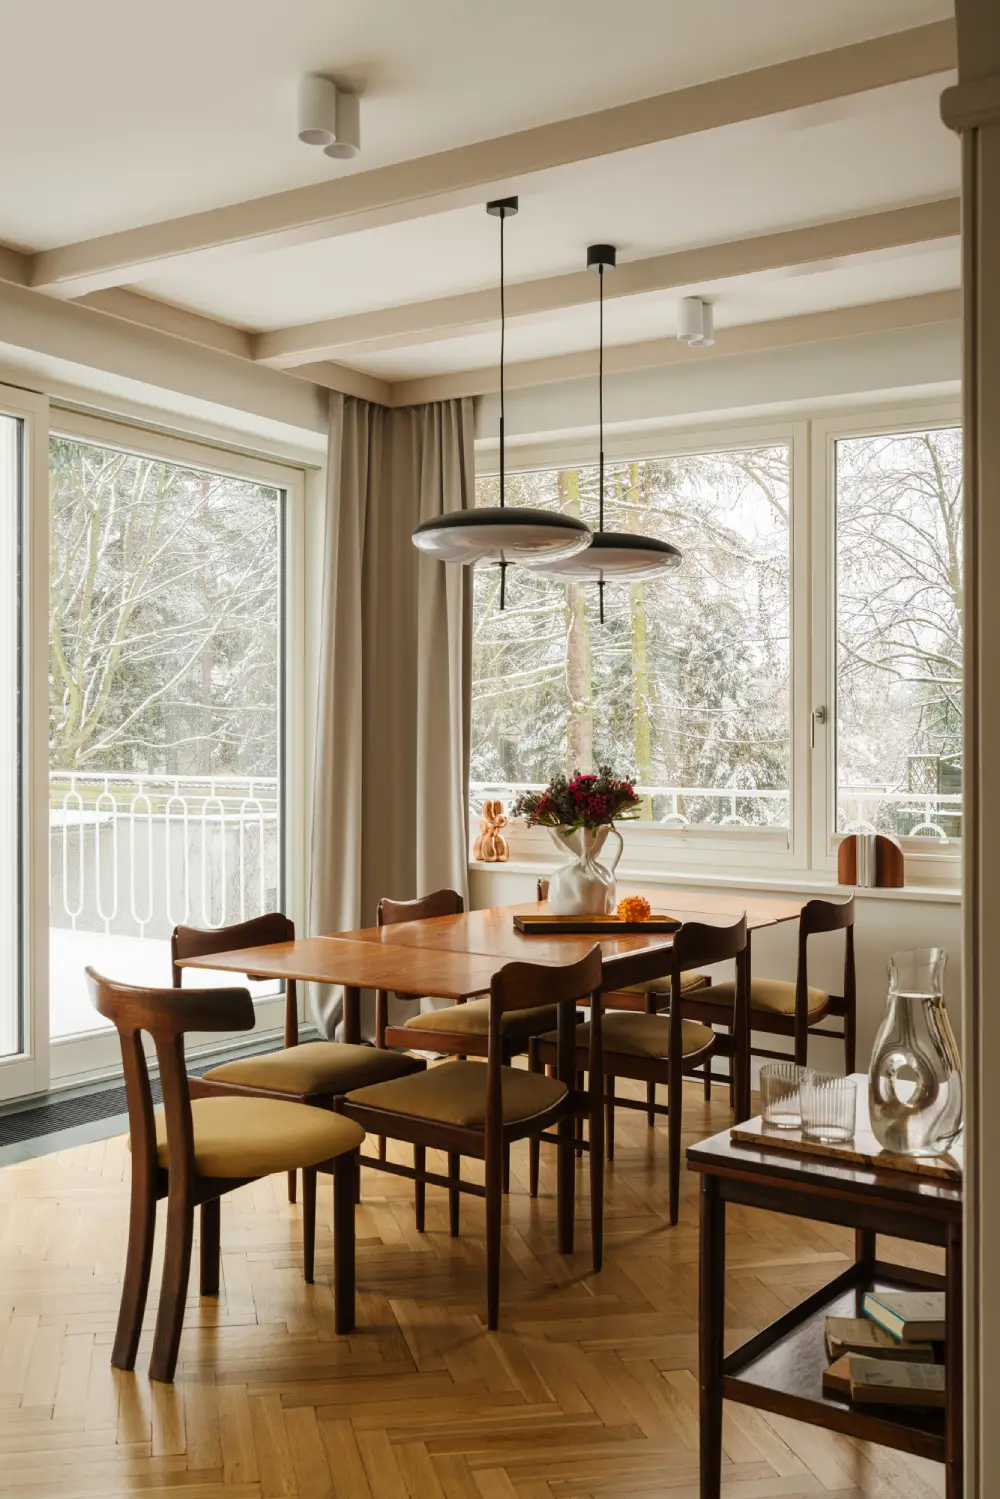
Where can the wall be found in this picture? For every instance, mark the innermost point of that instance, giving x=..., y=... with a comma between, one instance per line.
x=885, y=923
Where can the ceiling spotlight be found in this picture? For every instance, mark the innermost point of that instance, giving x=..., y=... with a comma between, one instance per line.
x=696, y=323
x=348, y=142
x=317, y=111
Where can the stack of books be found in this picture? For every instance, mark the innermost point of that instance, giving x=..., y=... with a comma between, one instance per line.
x=888, y=1356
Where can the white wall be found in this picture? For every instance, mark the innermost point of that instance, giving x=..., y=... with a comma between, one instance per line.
x=885, y=924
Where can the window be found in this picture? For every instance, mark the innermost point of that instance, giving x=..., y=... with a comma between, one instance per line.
x=686, y=684
x=165, y=710
x=11, y=470
x=899, y=633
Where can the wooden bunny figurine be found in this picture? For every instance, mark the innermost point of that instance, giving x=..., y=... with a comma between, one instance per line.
x=491, y=846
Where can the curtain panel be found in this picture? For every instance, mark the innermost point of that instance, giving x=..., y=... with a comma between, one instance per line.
x=390, y=794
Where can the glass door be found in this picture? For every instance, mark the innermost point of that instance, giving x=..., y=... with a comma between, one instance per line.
x=166, y=710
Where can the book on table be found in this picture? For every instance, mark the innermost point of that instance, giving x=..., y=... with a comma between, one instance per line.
x=910, y=1316
x=862, y=1335
x=881, y=1381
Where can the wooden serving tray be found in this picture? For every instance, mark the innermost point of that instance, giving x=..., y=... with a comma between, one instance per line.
x=863, y=1150
x=602, y=926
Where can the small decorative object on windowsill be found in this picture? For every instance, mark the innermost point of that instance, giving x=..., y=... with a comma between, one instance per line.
x=491, y=846
x=580, y=814
x=915, y=1078
x=868, y=860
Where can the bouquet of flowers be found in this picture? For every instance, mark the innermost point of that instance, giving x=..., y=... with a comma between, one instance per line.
x=584, y=801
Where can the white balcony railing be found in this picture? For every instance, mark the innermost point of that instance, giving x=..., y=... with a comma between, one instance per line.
x=136, y=855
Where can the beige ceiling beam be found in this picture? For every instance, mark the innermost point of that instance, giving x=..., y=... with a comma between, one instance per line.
x=464, y=176
x=473, y=312
x=15, y=266
x=747, y=338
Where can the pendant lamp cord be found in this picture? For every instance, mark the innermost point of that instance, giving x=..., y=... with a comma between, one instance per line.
x=600, y=420
x=503, y=340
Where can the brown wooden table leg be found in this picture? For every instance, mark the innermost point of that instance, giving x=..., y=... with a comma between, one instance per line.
x=741, y=1062
x=953, y=1364
x=711, y=1335
x=352, y=1014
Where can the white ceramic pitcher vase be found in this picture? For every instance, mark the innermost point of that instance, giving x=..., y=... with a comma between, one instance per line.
x=584, y=887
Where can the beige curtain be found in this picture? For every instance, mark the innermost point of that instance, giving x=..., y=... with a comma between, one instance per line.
x=390, y=796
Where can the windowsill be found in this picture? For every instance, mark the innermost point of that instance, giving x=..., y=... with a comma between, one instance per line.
x=809, y=881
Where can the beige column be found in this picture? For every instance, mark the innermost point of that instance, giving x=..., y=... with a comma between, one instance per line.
x=973, y=109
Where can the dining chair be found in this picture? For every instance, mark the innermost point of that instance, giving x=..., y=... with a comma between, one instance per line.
x=312, y=1072
x=466, y=1108
x=796, y=1009
x=193, y=1151
x=656, y=1048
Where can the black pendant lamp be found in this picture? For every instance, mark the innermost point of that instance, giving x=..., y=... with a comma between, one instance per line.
x=496, y=533
x=613, y=556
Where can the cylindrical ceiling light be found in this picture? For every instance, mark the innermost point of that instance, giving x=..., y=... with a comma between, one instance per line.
x=348, y=141
x=317, y=111
x=498, y=533
x=696, y=323
x=613, y=556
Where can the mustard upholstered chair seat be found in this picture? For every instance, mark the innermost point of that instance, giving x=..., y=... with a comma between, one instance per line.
x=769, y=996
x=634, y=1035
x=255, y=1137
x=473, y=1019
x=315, y=1067
x=690, y=980
x=455, y=1093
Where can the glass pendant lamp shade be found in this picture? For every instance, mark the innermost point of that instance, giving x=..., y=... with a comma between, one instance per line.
x=612, y=556
x=499, y=533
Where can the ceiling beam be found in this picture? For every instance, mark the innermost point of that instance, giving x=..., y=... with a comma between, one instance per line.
x=15, y=266
x=473, y=312
x=468, y=174
x=747, y=338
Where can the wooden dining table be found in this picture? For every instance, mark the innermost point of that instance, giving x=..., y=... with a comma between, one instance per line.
x=455, y=957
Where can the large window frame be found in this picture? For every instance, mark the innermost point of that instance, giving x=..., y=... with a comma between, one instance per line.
x=810, y=852
x=45, y=1061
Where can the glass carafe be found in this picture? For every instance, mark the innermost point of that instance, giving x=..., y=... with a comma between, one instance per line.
x=915, y=1079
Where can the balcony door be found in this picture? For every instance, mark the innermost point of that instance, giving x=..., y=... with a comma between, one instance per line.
x=166, y=710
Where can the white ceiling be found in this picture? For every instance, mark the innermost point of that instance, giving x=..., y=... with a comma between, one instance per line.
x=138, y=116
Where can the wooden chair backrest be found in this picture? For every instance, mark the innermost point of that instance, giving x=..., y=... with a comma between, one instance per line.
x=166, y=1015
x=525, y=986
x=824, y=916
x=439, y=903
x=259, y=931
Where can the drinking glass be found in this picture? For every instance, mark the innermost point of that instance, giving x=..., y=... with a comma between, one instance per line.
x=829, y=1108
x=780, y=1094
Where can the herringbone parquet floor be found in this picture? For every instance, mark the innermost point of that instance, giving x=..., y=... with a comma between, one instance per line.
x=588, y=1392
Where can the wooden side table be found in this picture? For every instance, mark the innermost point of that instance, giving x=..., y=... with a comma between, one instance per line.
x=781, y=1368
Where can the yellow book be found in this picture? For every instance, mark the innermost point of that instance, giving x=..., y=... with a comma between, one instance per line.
x=879, y=1381
x=861, y=1335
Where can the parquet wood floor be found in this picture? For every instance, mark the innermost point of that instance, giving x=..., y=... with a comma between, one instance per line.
x=588, y=1392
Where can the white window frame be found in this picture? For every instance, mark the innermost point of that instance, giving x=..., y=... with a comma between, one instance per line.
x=926, y=864
x=28, y=1071
x=99, y=1053
x=649, y=849
x=810, y=852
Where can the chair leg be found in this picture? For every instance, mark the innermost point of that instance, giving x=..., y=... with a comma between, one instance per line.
x=534, y=1144
x=651, y=1104
x=494, y=1213
x=173, y=1289
x=579, y=1081
x=309, y=1225
x=566, y=1182
x=382, y=1144
x=597, y=1174
x=419, y=1186
x=454, y=1195
x=135, y=1285
x=209, y=1247
x=609, y=1115
x=675, y=1101
x=291, y=1185
x=346, y=1170
x=506, y=1167
x=708, y=1081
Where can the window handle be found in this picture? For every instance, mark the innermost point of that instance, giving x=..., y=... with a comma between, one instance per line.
x=818, y=717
